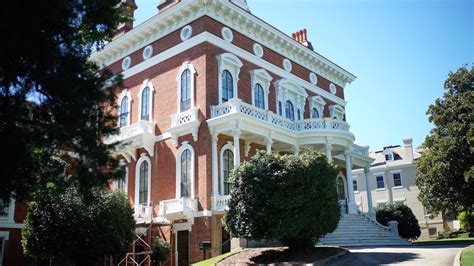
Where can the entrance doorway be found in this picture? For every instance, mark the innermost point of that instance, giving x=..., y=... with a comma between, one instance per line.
x=225, y=241
x=342, y=193
x=183, y=248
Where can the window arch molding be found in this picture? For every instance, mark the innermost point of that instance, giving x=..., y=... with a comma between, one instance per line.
x=288, y=90
x=316, y=102
x=229, y=146
x=260, y=76
x=125, y=93
x=143, y=158
x=146, y=83
x=231, y=63
x=192, y=70
x=185, y=147
x=336, y=112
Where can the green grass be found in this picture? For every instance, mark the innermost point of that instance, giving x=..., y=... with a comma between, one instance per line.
x=467, y=256
x=214, y=260
x=468, y=241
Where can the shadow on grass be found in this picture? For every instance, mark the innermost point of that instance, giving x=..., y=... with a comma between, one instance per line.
x=282, y=255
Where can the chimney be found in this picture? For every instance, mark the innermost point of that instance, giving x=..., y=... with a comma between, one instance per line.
x=407, y=142
x=302, y=37
x=165, y=4
x=127, y=26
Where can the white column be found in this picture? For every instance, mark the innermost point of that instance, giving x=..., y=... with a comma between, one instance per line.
x=370, y=207
x=269, y=142
x=296, y=149
x=215, y=172
x=328, y=152
x=176, y=248
x=236, y=134
x=352, y=207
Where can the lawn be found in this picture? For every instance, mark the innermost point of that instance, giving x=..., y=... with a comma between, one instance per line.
x=214, y=260
x=467, y=241
x=467, y=256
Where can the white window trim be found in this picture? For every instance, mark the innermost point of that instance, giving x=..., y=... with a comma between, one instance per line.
x=143, y=157
x=185, y=146
x=5, y=236
x=185, y=66
x=124, y=93
x=260, y=76
x=228, y=146
x=388, y=152
x=292, y=91
x=393, y=179
x=318, y=103
x=402, y=200
x=357, y=180
x=336, y=112
x=231, y=63
x=146, y=83
x=125, y=179
x=384, y=181
x=10, y=218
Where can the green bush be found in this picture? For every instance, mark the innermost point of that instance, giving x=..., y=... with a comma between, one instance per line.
x=160, y=249
x=466, y=219
x=408, y=226
x=287, y=198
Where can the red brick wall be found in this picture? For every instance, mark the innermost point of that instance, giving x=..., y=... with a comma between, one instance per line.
x=13, y=253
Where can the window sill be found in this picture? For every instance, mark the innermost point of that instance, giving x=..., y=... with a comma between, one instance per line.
x=380, y=189
x=397, y=187
x=356, y=192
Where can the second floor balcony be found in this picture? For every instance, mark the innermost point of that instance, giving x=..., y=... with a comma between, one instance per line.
x=134, y=136
x=175, y=209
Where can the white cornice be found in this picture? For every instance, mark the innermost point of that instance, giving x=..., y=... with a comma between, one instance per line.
x=239, y=52
x=227, y=13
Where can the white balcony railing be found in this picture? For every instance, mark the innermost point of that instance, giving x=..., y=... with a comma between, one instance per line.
x=220, y=203
x=237, y=106
x=184, y=117
x=360, y=150
x=133, y=130
x=143, y=213
x=177, y=208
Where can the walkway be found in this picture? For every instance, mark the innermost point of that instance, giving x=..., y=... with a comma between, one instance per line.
x=408, y=255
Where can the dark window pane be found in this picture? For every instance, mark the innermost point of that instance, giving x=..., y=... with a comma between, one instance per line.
x=228, y=166
x=124, y=112
x=143, y=186
x=185, y=90
x=227, y=86
x=186, y=174
x=314, y=113
x=289, y=110
x=145, y=104
x=259, y=97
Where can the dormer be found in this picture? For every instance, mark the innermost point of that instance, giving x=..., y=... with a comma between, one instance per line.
x=388, y=154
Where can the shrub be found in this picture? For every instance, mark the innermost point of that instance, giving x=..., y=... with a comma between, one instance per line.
x=287, y=198
x=408, y=226
x=160, y=249
x=466, y=219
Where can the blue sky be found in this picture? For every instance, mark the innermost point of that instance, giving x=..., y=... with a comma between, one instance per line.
x=400, y=50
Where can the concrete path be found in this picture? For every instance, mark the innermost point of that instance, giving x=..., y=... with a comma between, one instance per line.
x=408, y=255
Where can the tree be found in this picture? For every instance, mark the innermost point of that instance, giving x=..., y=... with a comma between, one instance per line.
x=445, y=174
x=66, y=224
x=160, y=251
x=408, y=226
x=290, y=198
x=52, y=97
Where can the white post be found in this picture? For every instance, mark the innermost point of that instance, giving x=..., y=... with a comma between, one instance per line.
x=269, y=143
x=351, y=206
x=215, y=173
x=296, y=149
x=176, y=255
x=236, y=134
x=370, y=207
x=328, y=152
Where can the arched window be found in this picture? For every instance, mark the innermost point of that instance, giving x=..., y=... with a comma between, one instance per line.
x=298, y=114
x=121, y=184
x=227, y=167
x=124, y=111
x=259, y=96
x=186, y=174
x=145, y=108
x=143, y=183
x=289, y=110
x=314, y=113
x=185, y=102
x=280, y=112
x=227, y=86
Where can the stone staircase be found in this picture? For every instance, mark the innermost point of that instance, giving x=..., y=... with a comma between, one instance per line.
x=361, y=230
